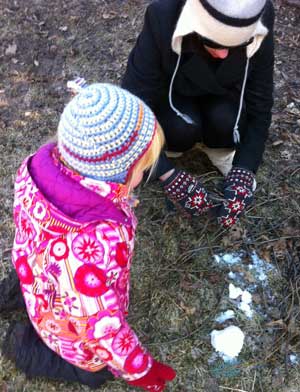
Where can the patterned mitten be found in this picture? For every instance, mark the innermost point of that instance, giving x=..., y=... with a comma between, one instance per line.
x=155, y=380
x=187, y=193
x=239, y=186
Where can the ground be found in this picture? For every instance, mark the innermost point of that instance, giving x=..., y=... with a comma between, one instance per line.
x=177, y=288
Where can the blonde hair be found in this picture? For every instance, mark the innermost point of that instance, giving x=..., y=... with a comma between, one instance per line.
x=150, y=158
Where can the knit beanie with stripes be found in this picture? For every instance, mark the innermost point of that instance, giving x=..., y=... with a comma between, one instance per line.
x=104, y=131
x=226, y=22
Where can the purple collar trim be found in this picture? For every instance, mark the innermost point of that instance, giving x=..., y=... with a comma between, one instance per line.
x=67, y=194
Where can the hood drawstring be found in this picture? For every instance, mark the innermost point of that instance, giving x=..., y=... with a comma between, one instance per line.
x=185, y=117
x=236, y=132
x=189, y=120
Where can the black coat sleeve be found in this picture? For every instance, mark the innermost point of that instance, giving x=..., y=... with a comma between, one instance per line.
x=259, y=102
x=144, y=76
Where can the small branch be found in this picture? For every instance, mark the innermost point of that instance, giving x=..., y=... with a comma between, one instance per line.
x=232, y=389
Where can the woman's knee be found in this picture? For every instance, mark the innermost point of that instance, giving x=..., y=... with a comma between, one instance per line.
x=219, y=118
x=180, y=136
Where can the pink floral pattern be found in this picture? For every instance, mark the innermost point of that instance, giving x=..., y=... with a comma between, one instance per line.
x=69, y=302
x=122, y=254
x=137, y=361
x=39, y=209
x=90, y=280
x=123, y=280
x=124, y=342
x=25, y=231
x=88, y=249
x=104, y=354
x=59, y=249
x=24, y=271
x=53, y=327
x=104, y=326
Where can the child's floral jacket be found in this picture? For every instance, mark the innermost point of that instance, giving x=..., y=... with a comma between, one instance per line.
x=72, y=251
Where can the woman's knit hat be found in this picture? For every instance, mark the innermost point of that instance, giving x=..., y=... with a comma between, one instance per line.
x=104, y=131
x=226, y=22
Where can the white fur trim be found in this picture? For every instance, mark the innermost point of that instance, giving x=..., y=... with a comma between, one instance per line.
x=195, y=18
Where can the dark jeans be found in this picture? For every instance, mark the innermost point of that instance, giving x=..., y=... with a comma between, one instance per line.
x=214, y=119
x=35, y=359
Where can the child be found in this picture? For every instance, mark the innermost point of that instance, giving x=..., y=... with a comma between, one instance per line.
x=74, y=241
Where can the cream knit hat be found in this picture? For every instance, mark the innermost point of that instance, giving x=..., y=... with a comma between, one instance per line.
x=226, y=22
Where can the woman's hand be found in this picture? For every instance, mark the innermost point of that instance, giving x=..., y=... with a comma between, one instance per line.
x=187, y=193
x=239, y=186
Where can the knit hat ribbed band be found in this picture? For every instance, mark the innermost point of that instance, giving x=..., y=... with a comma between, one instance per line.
x=104, y=131
x=226, y=22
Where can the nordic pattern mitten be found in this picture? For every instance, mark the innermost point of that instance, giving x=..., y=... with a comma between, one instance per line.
x=187, y=193
x=239, y=186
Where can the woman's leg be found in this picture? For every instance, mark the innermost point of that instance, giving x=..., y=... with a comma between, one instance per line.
x=180, y=136
x=23, y=346
x=219, y=117
x=11, y=297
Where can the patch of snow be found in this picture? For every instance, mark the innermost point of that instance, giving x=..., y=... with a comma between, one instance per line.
x=259, y=267
x=229, y=314
x=217, y=258
x=228, y=258
x=228, y=342
x=294, y=359
x=232, y=275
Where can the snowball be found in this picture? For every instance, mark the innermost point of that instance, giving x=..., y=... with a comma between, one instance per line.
x=228, y=342
x=243, y=306
x=234, y=292
x=246, y=297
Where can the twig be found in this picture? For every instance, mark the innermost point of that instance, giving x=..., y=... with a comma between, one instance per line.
x=267, y=201
x=289, y=312
x=273, y=240
x=276, y=344
x=254, y=381
x=232, y=389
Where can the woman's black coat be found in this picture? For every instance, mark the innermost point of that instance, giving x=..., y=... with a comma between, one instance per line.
x=152, y=62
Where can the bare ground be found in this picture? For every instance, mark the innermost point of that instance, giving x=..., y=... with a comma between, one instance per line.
x=177, y=289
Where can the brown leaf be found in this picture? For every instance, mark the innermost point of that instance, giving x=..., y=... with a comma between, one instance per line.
x=249, y=277
x=188, y=310
x=265, y=255
x=279, y=323
x=109, y=15
x=277, y=143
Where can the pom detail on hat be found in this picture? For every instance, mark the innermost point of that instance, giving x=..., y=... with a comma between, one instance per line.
x=104, y=131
